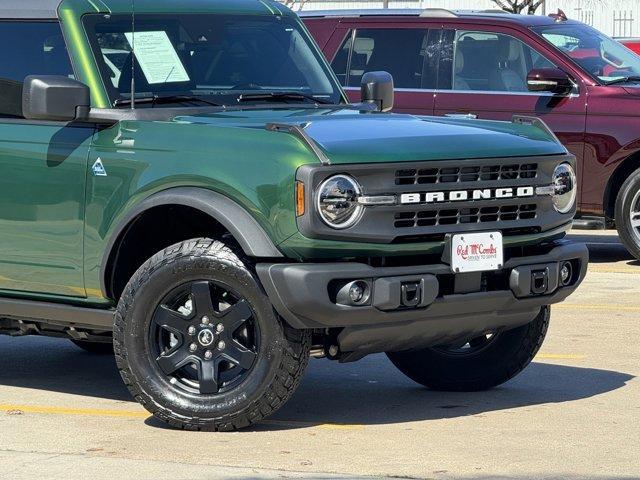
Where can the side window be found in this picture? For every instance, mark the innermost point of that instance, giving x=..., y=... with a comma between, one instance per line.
x=410, y=55
x=340, y=62
x=37, y=48
x=493, y=62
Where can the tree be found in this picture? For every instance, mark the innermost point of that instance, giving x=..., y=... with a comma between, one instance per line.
x=519, y=6
x=292, y=4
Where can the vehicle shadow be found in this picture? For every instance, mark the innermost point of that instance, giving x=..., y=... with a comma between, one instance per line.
x=374, y=392
x=371, y=391
x=605, y=248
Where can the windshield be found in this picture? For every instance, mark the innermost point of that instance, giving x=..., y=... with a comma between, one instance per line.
x=217, y=58
x=598, y=54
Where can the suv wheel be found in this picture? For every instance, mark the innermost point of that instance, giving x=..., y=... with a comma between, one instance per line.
x=480, y=363
x=628, y=214
x=198, y=343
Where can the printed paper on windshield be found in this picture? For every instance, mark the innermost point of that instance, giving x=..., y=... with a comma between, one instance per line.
x=157, y=57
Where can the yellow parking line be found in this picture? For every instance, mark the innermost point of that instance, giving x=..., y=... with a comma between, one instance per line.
x=340, y=426
x=93, y=412
x=632, y=271
x=559, y=356
x=595, y=306
x=97, y=412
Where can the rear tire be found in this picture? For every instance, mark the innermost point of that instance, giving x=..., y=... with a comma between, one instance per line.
x=198, y=343
x=497, y=360
x=628, y=214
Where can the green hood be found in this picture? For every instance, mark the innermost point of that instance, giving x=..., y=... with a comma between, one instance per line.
x=348, y=136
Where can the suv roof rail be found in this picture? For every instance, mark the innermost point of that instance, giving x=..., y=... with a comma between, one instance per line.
x=365, y=12
x=438, y=12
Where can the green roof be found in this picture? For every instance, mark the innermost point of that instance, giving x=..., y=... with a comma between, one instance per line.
x=39, y=9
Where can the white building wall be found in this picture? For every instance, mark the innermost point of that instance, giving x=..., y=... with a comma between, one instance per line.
x=619, y=19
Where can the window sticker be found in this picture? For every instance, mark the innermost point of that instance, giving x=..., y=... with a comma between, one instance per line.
x=157, y=57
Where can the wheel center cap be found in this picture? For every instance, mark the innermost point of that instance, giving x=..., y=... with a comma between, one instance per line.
x=206, y=337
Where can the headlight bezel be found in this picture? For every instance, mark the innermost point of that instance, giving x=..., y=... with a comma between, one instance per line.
x=357, y=208
x=562, y=203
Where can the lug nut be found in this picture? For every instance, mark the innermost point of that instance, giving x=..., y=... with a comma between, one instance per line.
x=221, y=345
x=192, y=330
x=208, y=354
x=193, y=347
x=205, y=320
x=219, y=328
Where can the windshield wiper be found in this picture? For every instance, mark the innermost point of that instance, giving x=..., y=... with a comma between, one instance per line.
x=164, y=99
x=630, y=78
x=281, y=96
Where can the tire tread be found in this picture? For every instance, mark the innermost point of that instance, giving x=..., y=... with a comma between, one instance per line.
x=532, y=336
x=290, y=371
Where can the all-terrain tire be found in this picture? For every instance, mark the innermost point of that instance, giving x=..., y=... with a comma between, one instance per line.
x=628, y=201
x=502, y=359
x=97, y=348
x=279, y=365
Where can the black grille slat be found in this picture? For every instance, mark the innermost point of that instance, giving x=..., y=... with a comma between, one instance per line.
x=472, y=173
x=457, y=216
x=449, y=214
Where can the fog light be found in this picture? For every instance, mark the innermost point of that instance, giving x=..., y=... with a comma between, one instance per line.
x=354, y=294
x=566, y=273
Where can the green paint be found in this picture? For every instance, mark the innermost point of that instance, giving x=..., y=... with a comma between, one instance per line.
x=42, y=202
x=57, y=218
x=70, y=12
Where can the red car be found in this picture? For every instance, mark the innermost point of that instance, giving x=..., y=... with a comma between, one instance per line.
x=583, y=84
x=631, y=43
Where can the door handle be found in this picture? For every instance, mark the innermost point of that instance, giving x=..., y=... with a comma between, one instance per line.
x=466, y=116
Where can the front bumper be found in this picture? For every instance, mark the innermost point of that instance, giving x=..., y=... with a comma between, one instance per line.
x=451, y=307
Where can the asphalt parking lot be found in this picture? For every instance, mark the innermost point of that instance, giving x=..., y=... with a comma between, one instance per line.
x=574, y=413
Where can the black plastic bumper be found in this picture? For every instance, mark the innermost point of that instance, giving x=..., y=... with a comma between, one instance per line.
x=304, y=295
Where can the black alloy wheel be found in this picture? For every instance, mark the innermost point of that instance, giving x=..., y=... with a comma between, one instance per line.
x=471, y=347
x=198, y=343
x=205, y=337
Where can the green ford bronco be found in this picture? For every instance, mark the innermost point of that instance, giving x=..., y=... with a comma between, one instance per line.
x=185, y=183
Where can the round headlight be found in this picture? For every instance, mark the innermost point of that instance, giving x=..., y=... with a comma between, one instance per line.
x=566, y=188
x=337, y=201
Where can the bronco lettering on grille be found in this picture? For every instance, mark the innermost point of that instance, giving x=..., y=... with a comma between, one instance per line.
x=463, y=195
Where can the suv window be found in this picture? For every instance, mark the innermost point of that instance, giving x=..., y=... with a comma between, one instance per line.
x=492, y=62
x=37, y=48
x=596, y=53
x=410, y=55
x=207, y=55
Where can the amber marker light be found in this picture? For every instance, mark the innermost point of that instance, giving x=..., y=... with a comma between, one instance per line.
x=300, y=207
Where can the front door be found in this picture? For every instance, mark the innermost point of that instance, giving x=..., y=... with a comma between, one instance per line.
x=408, y=52
x=483, y=74
x=43, y=168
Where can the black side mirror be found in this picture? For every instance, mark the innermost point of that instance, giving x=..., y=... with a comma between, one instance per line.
x=549, y=80
x=55, y=98
x=377, y=88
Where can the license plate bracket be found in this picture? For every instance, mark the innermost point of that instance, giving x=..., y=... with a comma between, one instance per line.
x=476, y=252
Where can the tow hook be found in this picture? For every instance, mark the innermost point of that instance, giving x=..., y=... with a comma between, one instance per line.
x=539, y=282
x=411, y=294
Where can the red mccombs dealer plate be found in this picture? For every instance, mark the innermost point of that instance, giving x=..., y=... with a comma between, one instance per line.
x=477, y=252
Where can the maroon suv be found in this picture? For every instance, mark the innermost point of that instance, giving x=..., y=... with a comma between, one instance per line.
x=583, y=84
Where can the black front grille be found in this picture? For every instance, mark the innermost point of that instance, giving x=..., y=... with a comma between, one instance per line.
x=436, y=198
x=471, y=173
x=456, y=216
